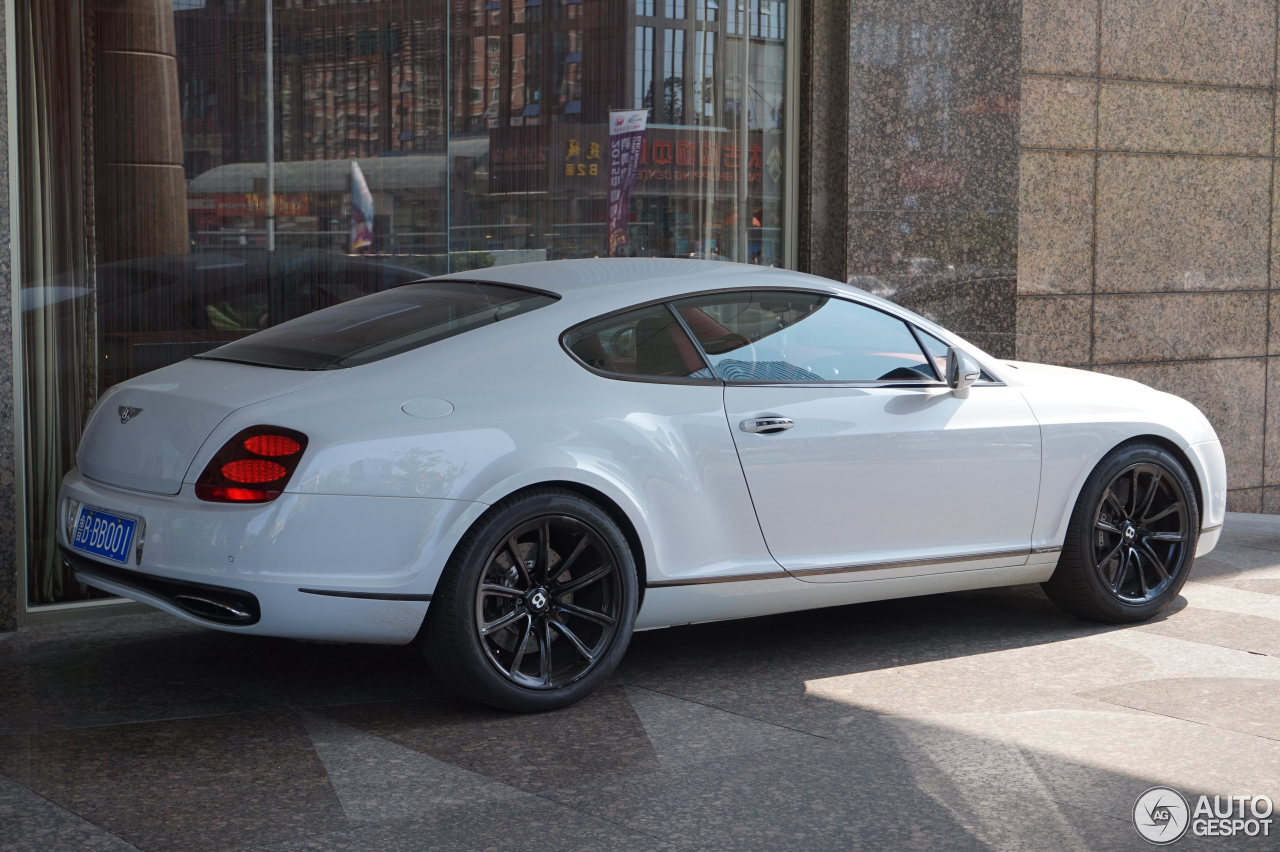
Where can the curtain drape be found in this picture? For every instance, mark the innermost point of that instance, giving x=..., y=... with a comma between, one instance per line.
x=56, y=271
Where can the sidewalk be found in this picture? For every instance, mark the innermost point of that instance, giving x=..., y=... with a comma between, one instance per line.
x=983, y=720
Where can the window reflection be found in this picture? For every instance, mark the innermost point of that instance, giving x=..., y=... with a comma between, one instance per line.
x=789, y=337
x=202, y=192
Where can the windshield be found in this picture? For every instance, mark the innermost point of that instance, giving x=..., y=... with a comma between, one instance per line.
x=375, y=327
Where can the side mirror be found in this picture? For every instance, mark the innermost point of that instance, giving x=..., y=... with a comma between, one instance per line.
x=962, y=371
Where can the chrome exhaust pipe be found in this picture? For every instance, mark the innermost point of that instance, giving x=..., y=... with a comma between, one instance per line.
x=211, y=609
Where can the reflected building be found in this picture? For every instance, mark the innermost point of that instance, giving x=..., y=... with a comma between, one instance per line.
x=506, y=145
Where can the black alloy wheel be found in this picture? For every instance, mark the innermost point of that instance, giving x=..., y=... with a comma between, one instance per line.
x=1131, y=539
x=548, y=602
x=537, y=606
x=1140, y=533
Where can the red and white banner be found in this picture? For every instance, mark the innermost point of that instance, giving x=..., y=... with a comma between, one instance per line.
x=626, y=140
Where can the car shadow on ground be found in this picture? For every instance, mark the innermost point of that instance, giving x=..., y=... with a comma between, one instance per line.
x=925, y=721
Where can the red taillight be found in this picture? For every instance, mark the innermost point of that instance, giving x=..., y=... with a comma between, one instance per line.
x=254, y=471
x=272, y=445
x=253, y=467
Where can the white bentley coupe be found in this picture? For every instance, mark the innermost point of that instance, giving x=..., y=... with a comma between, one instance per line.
x=517, y=467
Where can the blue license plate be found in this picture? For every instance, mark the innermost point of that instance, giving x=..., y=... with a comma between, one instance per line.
x=104, y=534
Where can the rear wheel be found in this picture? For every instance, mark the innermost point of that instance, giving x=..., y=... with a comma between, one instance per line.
x=1131, y=539
x=537, y=604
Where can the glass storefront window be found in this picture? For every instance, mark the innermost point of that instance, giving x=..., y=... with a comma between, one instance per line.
x=191, y=180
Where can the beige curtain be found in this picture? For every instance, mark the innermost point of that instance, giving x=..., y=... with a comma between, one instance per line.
x=56, y=270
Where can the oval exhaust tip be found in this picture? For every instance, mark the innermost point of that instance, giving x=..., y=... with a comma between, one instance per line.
x=211, y=609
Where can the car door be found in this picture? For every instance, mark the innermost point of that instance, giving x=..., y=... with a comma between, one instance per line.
x=860, y=460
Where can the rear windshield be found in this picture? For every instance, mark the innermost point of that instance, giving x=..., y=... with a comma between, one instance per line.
x=379, y=326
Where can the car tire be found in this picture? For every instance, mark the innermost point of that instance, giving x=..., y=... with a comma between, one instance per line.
x=1131, y=538
x=536, y=605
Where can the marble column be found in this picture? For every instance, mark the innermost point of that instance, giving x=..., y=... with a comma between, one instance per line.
x=824, y=138
x=8, y=385
x=141, y=190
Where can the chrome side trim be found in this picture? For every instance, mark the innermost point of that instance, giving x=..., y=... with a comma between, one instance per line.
x=1213, y=528
x=734, y=578
x=851, y=569
x=1036, y=551
x=368, y=596
x=913, y=563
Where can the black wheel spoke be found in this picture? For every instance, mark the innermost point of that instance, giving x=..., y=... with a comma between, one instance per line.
x=567, y=563
x=544, y=651
x=499, y=591
x=583, y=612
x=1102, y=563
x=544, y=549
x=502, y=622
x=518, y=657
x=514, y=547
x=1106, y=526
x=1163, y=513
x=1121, y=570
x=1166, y=536
x=1149, y=500
x=1155, y=560
x=585, y=580
x=577, y=643
x=1110, y=497
x=1137, y=567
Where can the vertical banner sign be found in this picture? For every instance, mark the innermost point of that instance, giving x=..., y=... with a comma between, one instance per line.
x=361, y=210
x=626, y=135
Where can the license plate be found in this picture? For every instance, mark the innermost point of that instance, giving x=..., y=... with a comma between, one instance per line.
x=104, y=534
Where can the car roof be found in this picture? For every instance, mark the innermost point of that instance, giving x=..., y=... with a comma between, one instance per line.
x=593, y=287
x=633, y=280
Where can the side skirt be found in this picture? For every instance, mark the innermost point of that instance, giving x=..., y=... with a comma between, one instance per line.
x=667, y=606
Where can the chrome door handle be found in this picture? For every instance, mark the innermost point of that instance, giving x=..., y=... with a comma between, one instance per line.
x=766, y=425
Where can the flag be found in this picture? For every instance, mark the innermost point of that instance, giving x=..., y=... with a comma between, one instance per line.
x=361, y=210
x=626, y=136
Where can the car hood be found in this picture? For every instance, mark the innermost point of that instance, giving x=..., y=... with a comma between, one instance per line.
x=1063, y=395
x=144, y=433
x=1019, y=373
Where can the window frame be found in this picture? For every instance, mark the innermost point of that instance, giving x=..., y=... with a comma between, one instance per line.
x=639, y=377
x=669, y=303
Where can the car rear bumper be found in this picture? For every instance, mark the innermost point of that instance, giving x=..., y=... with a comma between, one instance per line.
x=328, y=567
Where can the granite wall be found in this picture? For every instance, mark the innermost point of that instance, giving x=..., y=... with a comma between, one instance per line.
x=8, y=386
x=1147, y=208
x=932, y=151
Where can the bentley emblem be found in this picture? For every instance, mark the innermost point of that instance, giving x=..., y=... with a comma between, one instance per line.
x=127, y=413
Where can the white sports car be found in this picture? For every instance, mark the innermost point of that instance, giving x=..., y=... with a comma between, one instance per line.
x=518, y=467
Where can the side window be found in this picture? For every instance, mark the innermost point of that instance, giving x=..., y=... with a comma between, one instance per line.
x=938, y=354
x=937, y=350
x=779, y=336
x=643, y=342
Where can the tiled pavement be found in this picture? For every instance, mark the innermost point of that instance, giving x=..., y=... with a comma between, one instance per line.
x=983, y=720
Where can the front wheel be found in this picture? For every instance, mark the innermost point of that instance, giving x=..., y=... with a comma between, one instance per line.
x=537, y=604
x=1131, y=538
